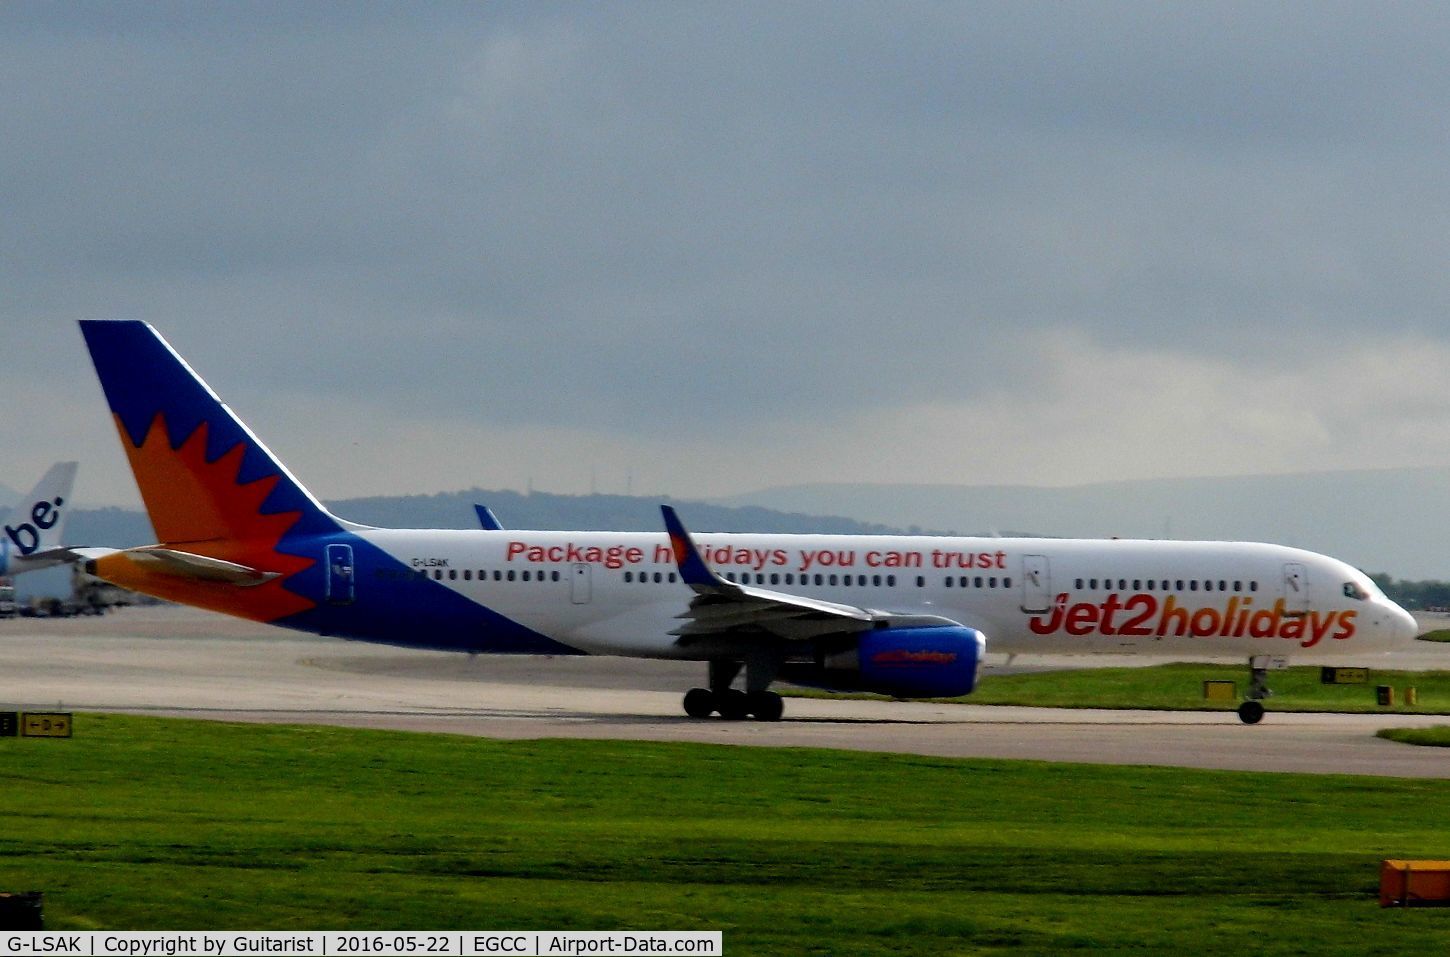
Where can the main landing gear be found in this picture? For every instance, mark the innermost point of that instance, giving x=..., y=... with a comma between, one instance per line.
x=732, y=704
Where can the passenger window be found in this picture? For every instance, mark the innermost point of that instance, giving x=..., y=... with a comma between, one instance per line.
x=1078, y=584
x=920, y=582
x=1006, y=583
x=831, y=579
x=949, y=581
x=992, y=582
x=453, y=574
x=1193, y=585
x=672, y=576
x=977, y=582
x=1093, y=584
x=1253, y=586
x=890, y=581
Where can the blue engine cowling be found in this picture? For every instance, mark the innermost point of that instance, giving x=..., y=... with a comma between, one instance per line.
x=934, y=661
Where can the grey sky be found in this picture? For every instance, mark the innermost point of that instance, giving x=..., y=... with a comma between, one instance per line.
x=716, y=247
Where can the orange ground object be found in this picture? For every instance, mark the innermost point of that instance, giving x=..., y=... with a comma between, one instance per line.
x=1415, y=884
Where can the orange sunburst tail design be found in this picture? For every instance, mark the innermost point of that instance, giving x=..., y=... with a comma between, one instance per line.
x=211, y=488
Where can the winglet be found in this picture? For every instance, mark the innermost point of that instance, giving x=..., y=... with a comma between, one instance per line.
x=487, y=520
x=693, y=570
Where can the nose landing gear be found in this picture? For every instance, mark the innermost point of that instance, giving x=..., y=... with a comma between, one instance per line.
x=1252, y=710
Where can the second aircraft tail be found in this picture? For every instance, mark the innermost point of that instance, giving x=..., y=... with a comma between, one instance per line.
x=32, y=532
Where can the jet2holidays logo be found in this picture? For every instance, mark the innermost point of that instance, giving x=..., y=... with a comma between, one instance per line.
x=43, y=516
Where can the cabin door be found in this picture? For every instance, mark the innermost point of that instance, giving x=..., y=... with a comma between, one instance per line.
x=581, y=587
x=341, y=575
x=1036, y=585
x=1296, y=589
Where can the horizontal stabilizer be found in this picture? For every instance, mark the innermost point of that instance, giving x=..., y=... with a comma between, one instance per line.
x=169, y=561
x=68, y=555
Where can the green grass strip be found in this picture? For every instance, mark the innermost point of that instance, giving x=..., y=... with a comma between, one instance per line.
x=1436, y=737
x=1179, y=687
x=143, y=823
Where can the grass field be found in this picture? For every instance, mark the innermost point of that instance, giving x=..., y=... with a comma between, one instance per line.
x=1179, y=687
x=143, y=823
x=1436, y=737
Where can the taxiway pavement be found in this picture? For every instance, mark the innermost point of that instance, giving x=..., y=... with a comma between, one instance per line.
x=186, y=663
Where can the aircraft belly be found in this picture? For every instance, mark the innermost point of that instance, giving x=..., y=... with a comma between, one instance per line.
x=640, y=630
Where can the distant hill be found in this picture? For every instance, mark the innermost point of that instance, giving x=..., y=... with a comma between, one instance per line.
x=619, y=513
x=1394, y=520
x=120, y=528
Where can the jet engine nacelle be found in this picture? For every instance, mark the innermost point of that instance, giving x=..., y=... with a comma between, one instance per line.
x=933, y=661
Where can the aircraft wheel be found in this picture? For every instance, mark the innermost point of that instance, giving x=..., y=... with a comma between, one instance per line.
x=1251, y=712
x=766, y=706
x=734, y=705
x=699, y=703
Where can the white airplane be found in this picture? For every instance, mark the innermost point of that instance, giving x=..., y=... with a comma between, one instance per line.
x=908, y=616
x=30, y=539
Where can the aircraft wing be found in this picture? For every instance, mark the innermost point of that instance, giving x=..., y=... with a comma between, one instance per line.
x=722, y=607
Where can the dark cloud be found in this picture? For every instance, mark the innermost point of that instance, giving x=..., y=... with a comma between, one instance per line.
x=642, y=216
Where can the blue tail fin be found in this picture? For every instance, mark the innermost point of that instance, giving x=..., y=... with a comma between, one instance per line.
x=202, y=474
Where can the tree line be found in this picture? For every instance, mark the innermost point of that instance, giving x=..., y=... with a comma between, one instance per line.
x=1415, y=596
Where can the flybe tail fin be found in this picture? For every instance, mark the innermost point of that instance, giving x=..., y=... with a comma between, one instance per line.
x=38, y=519
x=203, y=475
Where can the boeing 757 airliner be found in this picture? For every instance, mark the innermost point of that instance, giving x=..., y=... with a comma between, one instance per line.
x=907, y=616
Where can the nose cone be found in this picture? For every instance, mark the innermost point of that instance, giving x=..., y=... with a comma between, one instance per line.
x=1402, y=625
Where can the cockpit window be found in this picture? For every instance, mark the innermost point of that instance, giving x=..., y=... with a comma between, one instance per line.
x=1351, y=590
